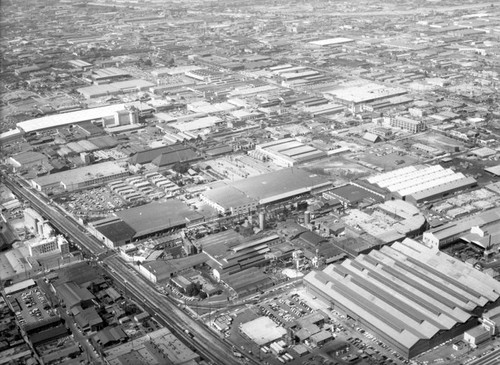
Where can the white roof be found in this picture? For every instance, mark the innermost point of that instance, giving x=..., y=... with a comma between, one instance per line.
x=200, y=123
x=263, y=330
x=58, y=120
x=19, y=286
x=332, y=41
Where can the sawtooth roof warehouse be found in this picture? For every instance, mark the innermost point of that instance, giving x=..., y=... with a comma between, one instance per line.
x=409, y=296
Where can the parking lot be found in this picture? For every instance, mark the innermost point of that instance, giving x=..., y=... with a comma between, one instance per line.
x=284, y=310
x=98, y=200
x=34, y=307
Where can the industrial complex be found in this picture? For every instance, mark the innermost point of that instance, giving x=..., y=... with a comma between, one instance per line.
x=407, y=295
x=250, y=183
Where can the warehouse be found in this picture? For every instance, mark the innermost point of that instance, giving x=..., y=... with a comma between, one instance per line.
x=485, y=225
x=115, y=88
x=157, y=218
x=271, y=188
x=263, y=331
x=355, y=96
x=286, y=152
x=411, y=297
x=331, y=42
x=172, y=154
x=110, y=112
x=420, y=183
x=82, y=177
x=228, y=257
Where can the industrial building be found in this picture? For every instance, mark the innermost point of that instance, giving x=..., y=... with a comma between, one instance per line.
x=28, y=160
x=232, y=257
x=408, y=124
x=286, y=152
x=332, y=42
x=156, y=218
x=481, y=229
x=116, y=88
x=111, y=114
x=263, y=331
x=355, y=96
x=411, y=297
x=82, y=177
x=247, y=195
x=391, y=221
x=421, y=183
x=144, y=221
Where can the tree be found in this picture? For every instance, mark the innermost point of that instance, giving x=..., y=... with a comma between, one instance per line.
x=181, y=167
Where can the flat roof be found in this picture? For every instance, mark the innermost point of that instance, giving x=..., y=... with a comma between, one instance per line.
x=81, y=174
x=494, y=170
x=332, y=41
x=365, y=93
x=116, y=231
x=354, y=194
x=263, y=330
x=115, y=87
x=19, y=286
x=153, y=217
x=272, y=186
x=59, y=120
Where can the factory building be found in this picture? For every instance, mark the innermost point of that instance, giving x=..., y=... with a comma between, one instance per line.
x=410, y=125
x=247, y=195
x=478, y=229
x=82, y=177
x=144, y=221
x=228, y=258
x=355, y=96
x=421, y=183
x=286, y=152
x=411, y=297
x=115, y=88
x=109, y=115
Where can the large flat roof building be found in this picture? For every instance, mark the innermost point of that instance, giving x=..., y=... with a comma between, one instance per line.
x=248, y=194
x=355, y=95
x=287, y=152
x=81, y=177
x=115, y=88
x=329, y=42
x=409, y=296
x=155, y=218
x=61, y=120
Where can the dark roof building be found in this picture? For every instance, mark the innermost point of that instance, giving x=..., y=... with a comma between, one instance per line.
x=110, y=336
x=113, y=232
x=169, y=159
x=49, y=335
x=7, y=236
x=155, y=218
x=72, y=295
x=89, y=320
x=147, y=156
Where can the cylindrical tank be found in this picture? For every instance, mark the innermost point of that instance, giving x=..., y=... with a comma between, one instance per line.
x=307, y=217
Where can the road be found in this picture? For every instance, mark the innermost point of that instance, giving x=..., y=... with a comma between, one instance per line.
x=208, y=345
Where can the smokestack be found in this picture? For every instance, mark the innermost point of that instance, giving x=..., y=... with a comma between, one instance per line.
x=262, y=221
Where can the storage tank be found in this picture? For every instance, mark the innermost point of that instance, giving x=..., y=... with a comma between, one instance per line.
x=307, y=217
